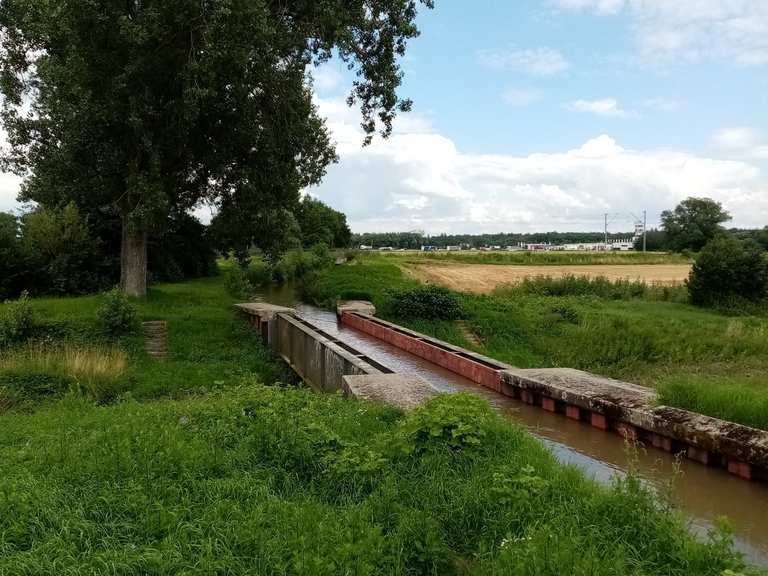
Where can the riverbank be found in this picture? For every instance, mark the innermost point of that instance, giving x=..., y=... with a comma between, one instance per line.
x=196, y=467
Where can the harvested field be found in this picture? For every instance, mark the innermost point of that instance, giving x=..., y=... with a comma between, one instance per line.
x=483, y=278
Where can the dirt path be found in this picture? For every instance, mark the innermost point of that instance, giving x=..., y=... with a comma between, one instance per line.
x=485, y=277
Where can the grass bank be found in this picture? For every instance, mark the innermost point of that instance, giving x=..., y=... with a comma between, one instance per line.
x=699, y=359
x=210, y=348
x=259, y=480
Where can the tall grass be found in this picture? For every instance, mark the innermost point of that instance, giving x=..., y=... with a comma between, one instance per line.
x=31, y=373
x=600, y=287
x=735, y=399
x=260, y=480
x=79, y=362
x=545, y=258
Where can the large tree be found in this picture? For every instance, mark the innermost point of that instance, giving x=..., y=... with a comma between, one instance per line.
x=321, y=224
x=693, y=223
x=133, y=108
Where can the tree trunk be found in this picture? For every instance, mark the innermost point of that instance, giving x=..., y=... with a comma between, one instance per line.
x=133, y=260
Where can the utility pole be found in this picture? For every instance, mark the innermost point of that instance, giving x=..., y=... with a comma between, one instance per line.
x=606, y=231
x=645, y=228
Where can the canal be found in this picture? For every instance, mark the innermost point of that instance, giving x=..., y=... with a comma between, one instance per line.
x=703, y=493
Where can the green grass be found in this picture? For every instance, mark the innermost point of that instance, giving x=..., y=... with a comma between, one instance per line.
x=210, y=346
x=198, y=468
x=638, y=337
x=543, y=258
x=740, y=399
x=258, y=480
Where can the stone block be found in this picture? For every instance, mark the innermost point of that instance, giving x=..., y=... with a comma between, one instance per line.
x=399, y=390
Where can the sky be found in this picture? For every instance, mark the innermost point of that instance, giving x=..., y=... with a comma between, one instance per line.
x=539, y=115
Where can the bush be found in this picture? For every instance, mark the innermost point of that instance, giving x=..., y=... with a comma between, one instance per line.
x=258, y=273
x=428, y=302
x=236, y=283
x=62, y=254
x=16, y=321
x=184, y=249
x=117, y=316
x=729, y=269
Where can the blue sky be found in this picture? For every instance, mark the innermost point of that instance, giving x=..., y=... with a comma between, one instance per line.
x=546, y=114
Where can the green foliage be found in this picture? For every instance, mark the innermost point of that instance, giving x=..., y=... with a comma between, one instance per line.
x=295, y=482
x=63, y=256
x=321, y=224
x=655, y=241
x=693, y=223
x=237, y=284
x=428, y=302
x=741, y=400
x=117, y=316
x=12, y=262
x=206, y=123
x=17, y=321
x=458, y=421
x=182, y=249
x=728, y=270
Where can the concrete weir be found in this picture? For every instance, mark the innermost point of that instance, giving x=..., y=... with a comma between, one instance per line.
x=629, y=410
x=328, y=364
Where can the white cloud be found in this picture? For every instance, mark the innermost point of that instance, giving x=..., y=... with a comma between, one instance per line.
x=423, y=181
x=690, y=30
x=738, y=138
x=661, y=104
x=538, y=61
x=521, y=97
x=604, y=107
x=9, y=189
x=326, y=78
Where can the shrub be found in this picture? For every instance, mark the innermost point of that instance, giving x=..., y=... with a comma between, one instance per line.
x=459, y=421
x=236, y=283
x=117, y=316
x=729, y=269
x=428, y=302
x=356, y=295
x=16, y=321
x=258, y=273
x=63, y=255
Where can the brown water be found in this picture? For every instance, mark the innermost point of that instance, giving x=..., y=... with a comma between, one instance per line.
x=703, y=493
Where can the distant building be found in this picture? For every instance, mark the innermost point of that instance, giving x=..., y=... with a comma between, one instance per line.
x=429, y=248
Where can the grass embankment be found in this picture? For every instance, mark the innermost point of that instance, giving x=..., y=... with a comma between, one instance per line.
x=195, y=468
x=699, y=359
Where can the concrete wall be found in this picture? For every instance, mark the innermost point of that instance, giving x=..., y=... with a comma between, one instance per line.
x=317, y=359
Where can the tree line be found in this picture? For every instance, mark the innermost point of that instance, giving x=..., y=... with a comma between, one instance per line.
x=60, y=251
x=415, y=240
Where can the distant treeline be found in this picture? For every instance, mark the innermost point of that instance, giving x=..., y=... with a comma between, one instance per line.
x=656, y=239
x=415, y=240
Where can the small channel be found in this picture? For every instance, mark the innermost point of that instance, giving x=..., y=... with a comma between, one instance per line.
x=703, y=493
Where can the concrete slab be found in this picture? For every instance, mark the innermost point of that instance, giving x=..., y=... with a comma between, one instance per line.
x=359, y=306
x=575, y=387
x=264, y=310
x=399, y=390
